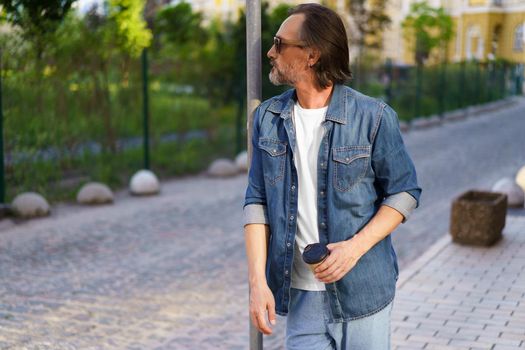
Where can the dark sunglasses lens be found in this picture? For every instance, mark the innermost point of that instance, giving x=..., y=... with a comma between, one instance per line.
x=277, y=44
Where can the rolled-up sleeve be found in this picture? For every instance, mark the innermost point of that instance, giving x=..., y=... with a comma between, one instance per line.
x=255, y=200
x=402, y=202
x=394, y=170
x=255, y=214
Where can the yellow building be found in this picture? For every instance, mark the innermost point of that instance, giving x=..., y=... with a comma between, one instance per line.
x=487, y=29
x=483, y=30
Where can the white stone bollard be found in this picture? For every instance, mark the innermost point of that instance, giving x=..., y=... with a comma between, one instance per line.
x=241, y=161
x=222, y=168
x=30, y=204
x=520, y=178
x=95, y=193
x=144, y=182
x=515, y=195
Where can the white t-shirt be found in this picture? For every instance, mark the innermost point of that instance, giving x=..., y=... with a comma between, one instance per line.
x=309, y=133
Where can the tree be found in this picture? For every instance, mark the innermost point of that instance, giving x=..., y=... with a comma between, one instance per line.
x=369, y=19
x=428, y=28
x=179, y=25
x=37, y=20
x=133, y=34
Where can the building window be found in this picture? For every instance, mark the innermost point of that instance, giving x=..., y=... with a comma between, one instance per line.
x=519, y=37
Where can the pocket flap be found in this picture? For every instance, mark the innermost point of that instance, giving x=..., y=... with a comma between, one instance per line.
x=347, y=154
x=273, y=147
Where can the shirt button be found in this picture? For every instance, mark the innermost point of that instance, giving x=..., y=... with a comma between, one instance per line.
x=321, y=193
x=347, y=159
x=291, y=217
x=322, y=165
x=288, y=244
x=323, y=224
x=286, y=272
x=293, y=187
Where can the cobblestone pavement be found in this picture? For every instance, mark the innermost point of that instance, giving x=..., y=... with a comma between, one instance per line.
x=169, y=272
x=464, y=298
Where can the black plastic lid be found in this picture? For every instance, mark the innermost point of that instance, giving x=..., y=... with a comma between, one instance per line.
x=314, y=253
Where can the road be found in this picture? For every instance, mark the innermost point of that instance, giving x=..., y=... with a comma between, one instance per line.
x=169, y=272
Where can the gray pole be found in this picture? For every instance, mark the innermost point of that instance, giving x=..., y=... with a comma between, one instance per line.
x=254, y=96
x=253, y=59
x=145, y=107
x=2, y=168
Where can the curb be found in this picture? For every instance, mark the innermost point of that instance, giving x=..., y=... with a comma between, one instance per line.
x=425, y=122
x=416, y=266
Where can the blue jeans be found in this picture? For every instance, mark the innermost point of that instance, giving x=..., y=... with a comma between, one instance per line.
x=308, y=326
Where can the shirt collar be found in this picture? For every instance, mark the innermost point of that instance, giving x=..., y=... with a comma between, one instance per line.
x=337, y=107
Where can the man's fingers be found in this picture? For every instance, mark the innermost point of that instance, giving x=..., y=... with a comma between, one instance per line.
x=327, y=263
x=261, y=323
x=271, y=313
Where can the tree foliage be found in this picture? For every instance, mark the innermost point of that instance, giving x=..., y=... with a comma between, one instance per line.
x=132, y=31
x=37, y=20
x=179, y=25
x=370, y=19
x=428, y=28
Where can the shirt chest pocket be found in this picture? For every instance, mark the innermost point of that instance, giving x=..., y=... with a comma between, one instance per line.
x=350, y=165
x=273, y=156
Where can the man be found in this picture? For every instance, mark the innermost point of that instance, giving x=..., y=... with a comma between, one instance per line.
x=328, y=166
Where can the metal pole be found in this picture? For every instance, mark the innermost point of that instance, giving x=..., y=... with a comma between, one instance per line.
x=442, y=89
x=2, y=166
x=389, y=75
x=254, y=96
x=145, y=107
x=419, y=87
x=462, y=86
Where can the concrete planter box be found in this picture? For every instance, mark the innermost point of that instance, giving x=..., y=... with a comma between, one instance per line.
x=478, y=218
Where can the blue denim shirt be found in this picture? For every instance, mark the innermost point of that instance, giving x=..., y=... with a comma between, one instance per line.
x=362, y=160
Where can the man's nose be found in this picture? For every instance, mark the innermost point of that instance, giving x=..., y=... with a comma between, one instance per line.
x=271, y=53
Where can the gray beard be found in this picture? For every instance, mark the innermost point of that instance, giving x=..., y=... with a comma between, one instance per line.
x=277, y=78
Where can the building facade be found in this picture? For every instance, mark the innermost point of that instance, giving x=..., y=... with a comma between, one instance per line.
x=483, y=30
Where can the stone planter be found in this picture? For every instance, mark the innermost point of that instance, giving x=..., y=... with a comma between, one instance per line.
x=478, y=218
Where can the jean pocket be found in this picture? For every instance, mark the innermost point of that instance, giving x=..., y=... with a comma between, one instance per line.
x=350, y=165
x=273, y=159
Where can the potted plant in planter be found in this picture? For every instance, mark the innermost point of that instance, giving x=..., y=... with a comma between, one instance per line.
x=478, y=217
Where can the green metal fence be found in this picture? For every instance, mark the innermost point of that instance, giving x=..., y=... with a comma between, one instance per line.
x=61, y=130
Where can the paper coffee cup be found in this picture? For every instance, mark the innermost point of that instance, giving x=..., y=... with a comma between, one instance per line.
x=314, y=254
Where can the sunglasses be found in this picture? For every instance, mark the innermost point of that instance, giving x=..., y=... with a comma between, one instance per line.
x=278, y=43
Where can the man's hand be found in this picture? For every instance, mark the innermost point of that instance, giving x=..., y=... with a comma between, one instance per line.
x=343, y=257
x=261, y=303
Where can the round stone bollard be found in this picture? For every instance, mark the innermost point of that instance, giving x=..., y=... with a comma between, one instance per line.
x=520, y=178
x=241, y=161
x=95, y=193
x=30, y=204
x=144, y=183
x=515, y=195
x=222, y=168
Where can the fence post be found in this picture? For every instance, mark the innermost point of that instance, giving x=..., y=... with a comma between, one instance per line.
x=388, y=75
x=254, y=96
x=442, y=89
x=2, y=164
x=462, y=87
x=477, y=95
x=419, y=86
x=145, y=107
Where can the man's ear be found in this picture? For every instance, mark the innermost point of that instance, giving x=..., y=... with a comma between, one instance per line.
x=313, y=57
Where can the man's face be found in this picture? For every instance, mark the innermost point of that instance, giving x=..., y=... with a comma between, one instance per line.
x=289, y=61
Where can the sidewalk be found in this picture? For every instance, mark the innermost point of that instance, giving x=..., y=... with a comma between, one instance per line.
x=457, y=297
